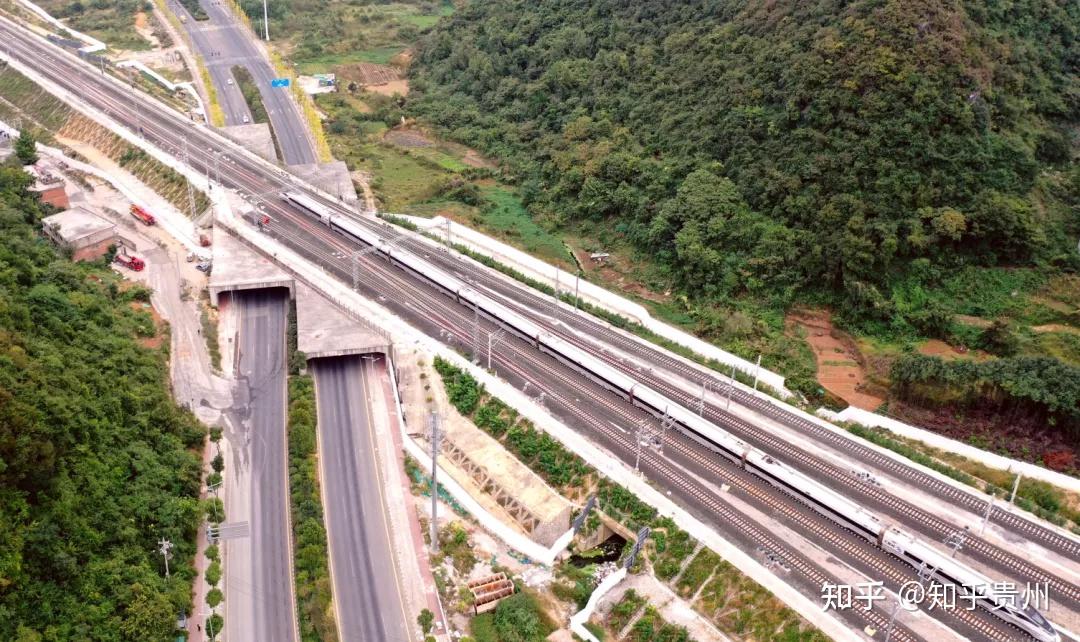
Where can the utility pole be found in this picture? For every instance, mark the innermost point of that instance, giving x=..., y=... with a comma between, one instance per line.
x=476, y=334
x=436, y=437
x=190, y=189
x=645, y=434
x=555, y=299
x=892, y=618
x=986, y=516
x=449, y=244
x=757, y=371
x=577, y=280
x=266, y=21
x=1016, y=486
x=731, y=387
x=956, y=540
x=494, y=339
x=138, y=111
x=164, y=546
x=701, y=400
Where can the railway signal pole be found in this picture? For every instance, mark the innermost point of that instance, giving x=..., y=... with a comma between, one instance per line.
x=476, y=334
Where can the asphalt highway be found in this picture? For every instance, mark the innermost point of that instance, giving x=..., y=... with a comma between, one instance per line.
x=367, y=601
x=433, y=313
x=261, y=406
x=223, y=42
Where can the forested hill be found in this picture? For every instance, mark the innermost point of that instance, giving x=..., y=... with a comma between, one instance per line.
x=775, y=147
x=96, y=461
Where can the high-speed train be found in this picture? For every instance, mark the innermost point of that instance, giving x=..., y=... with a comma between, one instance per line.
x=820, y=498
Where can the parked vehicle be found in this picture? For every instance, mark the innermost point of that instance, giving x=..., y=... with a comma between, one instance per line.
x=146, y=218
x=133, y=263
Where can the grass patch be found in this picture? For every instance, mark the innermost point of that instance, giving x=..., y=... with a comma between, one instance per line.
x=210, y=333
x=313, y=590
x=572, y=477
x=110, y=22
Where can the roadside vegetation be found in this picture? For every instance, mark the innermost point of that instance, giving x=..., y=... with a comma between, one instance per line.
x=110, y=22
x=99, y=461
x=732, y=602
x=22, y=101
x=311, y=555
x=320, y=35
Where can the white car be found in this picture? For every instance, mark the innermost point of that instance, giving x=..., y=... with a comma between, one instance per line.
x=245, y=119
x=229, y=81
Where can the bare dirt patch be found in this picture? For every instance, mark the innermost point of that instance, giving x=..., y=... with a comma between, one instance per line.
x=408, y=138
x=614, y=271
x=367, y=73
x=938, y=348
x=840, y=367
x=399, y=87
x=1055, y=327
x=472, y=158
x=975, y=322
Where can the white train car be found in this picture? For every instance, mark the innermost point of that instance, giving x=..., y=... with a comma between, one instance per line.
x=982, y=592
x=822, y=499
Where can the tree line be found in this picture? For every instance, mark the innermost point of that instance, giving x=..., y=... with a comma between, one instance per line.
x=782, y=149
x=97, y=462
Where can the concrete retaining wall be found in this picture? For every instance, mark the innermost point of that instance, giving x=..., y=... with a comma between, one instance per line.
x=874, y=420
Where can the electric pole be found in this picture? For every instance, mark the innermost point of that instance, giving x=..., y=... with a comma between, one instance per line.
x=494, y=339
x=1016, y=486
x=476, y=334
x=757, y=371
x=164, y=546
x=731, y=387
x=436, y=437
x=646, y=434
x=986, y=516
x=956, y=540
x=190, y=189
x=577, y=280
x=555, y=299
x=266, y=21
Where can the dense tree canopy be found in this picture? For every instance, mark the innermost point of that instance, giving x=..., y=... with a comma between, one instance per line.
x=96, y=461
x=784, y=145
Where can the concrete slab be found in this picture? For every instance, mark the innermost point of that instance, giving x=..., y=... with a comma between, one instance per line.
x=236, y=267
x=323, y=330
x=255, y=137
x=333, y=178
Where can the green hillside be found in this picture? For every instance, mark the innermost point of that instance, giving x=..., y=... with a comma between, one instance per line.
x=97, y=463
x=846, y=152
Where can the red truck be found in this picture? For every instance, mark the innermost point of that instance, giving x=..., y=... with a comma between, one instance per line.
x=146, y=217
x=133, y=263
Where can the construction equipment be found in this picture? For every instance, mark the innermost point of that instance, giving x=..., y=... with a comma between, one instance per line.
x=133, y=263
x=146, y=218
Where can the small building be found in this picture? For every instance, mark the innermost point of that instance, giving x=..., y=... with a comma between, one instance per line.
x=49, y=187
x=85, y=234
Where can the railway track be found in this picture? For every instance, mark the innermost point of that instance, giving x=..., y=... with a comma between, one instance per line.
x=165, y=136
x=528, y=303
x=447, y=316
